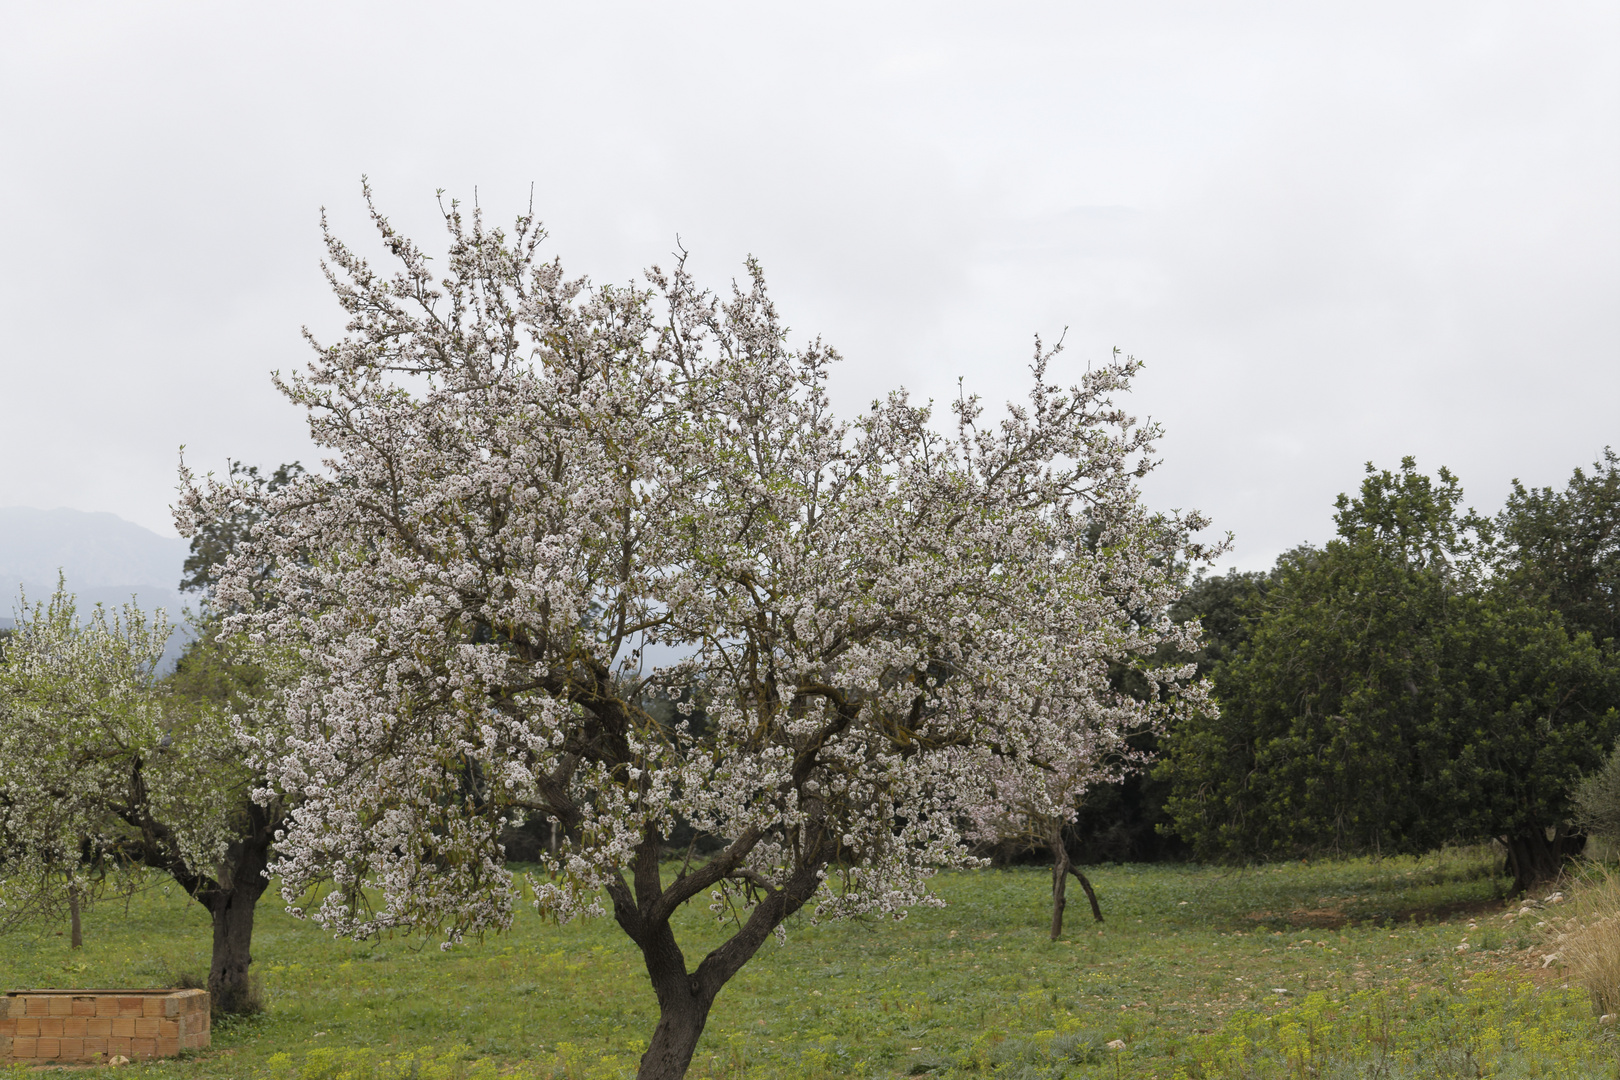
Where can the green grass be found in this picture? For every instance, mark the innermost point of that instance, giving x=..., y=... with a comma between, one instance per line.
x=1345, y=969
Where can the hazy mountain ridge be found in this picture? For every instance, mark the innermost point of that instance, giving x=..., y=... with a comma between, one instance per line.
x=103, y=559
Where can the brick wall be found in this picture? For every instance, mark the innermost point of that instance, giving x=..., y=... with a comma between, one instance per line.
x=38, y=1027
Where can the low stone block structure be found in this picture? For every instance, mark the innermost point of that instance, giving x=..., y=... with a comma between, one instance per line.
x=42, y=1027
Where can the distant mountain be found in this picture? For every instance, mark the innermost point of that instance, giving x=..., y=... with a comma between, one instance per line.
x=104, y=559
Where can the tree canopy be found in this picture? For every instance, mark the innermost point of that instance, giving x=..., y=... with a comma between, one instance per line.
x=533, y=481
x=1394, y=694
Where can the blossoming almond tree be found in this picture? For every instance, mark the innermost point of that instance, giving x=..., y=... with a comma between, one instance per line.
x=104, y=768
x=1034, y=806
x=530, y=482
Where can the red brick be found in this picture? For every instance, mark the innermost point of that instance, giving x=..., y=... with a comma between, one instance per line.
x=84, y=1006
x=75, y=1026
x=50, y=1026
x=123, y=1027
x=28, y=1027
x=142, y=1048
x=100, y=1027
x=23, y=1049
x=72, y=1049
x=47, y=1048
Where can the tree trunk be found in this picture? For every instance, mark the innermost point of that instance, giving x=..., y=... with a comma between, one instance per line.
x=682, y=1014
x=228, y=986
x=1091, y=894
x=1061, y=869
x=1534, y=860
x=76, y=931
x=230, y=899
x=1060, y=884
x=684, y=999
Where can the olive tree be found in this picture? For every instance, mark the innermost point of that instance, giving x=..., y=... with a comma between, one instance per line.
x=530, y=482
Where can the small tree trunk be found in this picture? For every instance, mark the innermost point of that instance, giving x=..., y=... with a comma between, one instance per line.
x=1061, y=869
x=76, y=931
x=1096, y=910
x=1060, y=882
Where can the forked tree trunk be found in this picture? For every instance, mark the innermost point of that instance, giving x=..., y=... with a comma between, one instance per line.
x=685, y=998
x=1534, y=860
x=1061, y=869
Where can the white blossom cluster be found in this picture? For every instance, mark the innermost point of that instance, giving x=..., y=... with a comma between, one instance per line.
x=529, y=479
x=94, y=758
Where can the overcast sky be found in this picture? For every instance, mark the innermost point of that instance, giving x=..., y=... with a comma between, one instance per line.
x=1334, y=233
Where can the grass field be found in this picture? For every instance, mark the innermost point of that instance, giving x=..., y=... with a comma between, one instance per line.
x=1346, y=969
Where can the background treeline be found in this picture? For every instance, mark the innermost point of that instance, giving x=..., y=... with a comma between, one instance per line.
x=1428, y=676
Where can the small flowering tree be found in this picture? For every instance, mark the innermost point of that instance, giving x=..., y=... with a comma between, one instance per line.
x=106, y=771
x=529, y=481
x=58, y=679
x=1033, y=807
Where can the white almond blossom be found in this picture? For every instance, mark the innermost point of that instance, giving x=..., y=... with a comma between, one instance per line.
x=86, y=746
x=530, y=480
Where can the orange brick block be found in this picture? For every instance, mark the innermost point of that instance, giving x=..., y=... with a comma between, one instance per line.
x=51, y=1027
